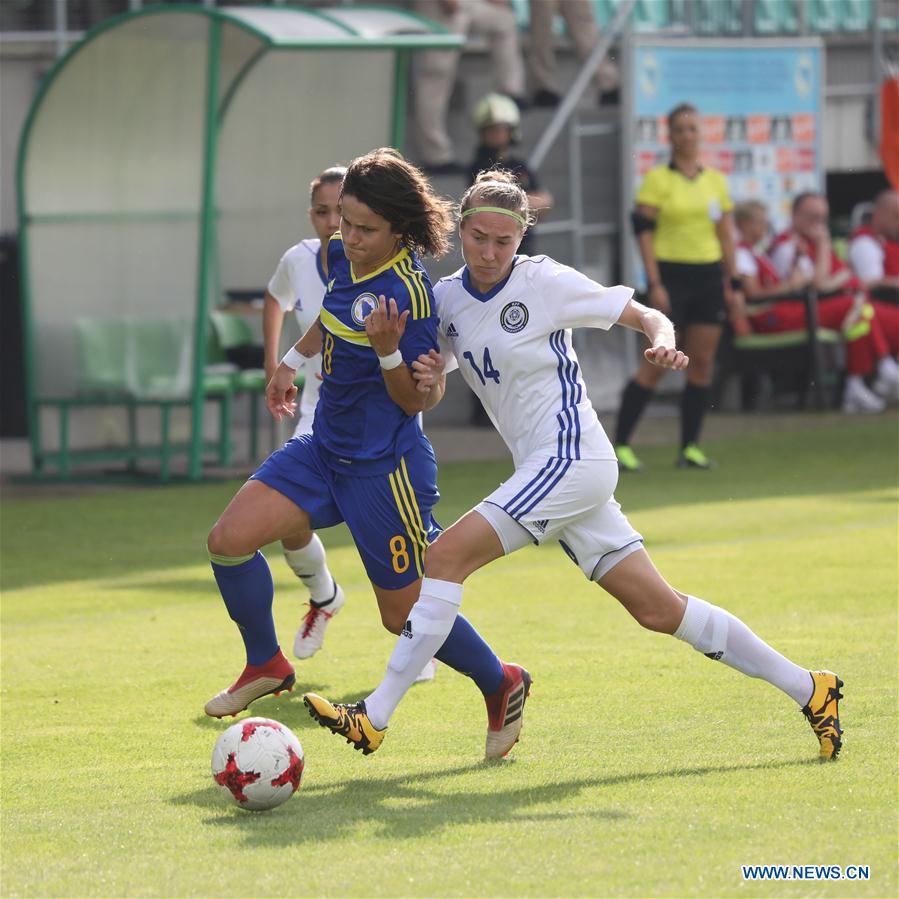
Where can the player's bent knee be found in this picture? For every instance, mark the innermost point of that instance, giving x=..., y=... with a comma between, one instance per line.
x=223, y=541
x=443, y=562
x=662, y=614
x=392, y=621
x=660, y=621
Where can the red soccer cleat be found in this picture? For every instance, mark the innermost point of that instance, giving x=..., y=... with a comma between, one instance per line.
x=505, y=709
x=275, y=675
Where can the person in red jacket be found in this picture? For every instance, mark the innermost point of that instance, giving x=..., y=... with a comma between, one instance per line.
x=770, y=309
x=806, y=245
x=874, y=248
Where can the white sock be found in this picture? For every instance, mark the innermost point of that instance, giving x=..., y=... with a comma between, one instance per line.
x=722, y=637
x=429, y=624
x=309, y=565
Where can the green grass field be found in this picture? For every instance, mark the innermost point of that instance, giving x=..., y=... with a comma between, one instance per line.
x=644, y=769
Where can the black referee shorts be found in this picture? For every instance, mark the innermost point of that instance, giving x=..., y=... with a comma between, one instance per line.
x=696, y=291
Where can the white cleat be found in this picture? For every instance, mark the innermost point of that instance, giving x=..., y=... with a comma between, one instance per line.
x=857, y=397
x=886, y=385
x=429, y=672
x=311, y=634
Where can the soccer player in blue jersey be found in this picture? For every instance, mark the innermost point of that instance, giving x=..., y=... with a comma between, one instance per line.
x=367, y=461
x=505, y=321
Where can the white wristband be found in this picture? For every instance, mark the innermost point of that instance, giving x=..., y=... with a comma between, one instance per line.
x=394, y=360
x=293, y=359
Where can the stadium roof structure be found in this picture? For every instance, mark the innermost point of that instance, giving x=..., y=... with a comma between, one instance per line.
x=166, y=161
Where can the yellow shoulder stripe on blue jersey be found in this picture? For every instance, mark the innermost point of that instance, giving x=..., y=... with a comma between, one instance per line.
x=421, y=305
x=407, y=506
x=339, y=329
x=413, y=296
x=418, y=282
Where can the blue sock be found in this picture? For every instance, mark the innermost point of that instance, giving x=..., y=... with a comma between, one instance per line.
x=248, y=591
x=465, y=651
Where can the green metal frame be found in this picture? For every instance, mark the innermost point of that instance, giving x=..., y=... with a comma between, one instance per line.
x=401, y=45
x=207, y=244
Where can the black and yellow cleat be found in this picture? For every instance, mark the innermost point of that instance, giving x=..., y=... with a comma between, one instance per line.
x=823, y=713
x=349, y=721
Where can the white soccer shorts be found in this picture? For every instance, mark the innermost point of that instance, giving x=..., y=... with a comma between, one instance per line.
x=569, y=500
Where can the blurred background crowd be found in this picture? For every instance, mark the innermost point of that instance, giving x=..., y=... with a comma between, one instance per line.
x=126, y=190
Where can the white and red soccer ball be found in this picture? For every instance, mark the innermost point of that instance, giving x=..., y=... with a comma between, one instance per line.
x=258, y=763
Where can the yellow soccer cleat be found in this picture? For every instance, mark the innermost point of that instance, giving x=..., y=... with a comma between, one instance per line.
x=348, y=721
x=823, y=713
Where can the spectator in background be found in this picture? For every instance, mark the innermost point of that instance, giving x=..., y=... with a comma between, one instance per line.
x=683, y=227
x=435, y=71
x=874, y=248
x=581, y=26
x=497, y=120
x=772, y=306
x=806, y=245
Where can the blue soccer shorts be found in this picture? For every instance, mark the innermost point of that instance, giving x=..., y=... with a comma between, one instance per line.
x=389, y=515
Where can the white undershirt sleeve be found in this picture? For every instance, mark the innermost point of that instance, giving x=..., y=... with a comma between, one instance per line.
x=746, y=264
x=866, y=258
x=782, y=258
x=281, y=285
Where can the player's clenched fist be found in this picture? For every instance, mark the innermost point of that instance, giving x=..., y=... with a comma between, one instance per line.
x=427, y=369
x=667, y=357
x=385, y=326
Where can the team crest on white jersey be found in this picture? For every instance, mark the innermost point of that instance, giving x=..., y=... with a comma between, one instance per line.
x=362, y=305
x=514, y=317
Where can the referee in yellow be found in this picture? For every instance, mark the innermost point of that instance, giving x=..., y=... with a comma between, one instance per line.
x=682, y=223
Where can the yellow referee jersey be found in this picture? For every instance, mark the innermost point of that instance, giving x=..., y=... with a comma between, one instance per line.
x=688, y=211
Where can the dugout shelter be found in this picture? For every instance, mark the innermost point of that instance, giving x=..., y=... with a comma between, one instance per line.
x=165, y=161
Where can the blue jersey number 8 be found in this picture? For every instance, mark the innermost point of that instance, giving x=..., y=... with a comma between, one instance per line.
x=489, y=371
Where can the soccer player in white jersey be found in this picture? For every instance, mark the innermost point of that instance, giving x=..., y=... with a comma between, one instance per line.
x=506, y=321
x=298, y=285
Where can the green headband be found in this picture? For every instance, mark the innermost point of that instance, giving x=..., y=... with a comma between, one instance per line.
x=518, y=218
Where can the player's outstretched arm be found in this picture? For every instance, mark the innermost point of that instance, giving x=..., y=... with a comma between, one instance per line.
x=660, y=331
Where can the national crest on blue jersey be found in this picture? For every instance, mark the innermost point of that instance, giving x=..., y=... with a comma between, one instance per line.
x=362, y=305
x=514, y=317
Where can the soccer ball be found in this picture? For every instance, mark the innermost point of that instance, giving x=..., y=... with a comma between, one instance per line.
x=258, y=763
